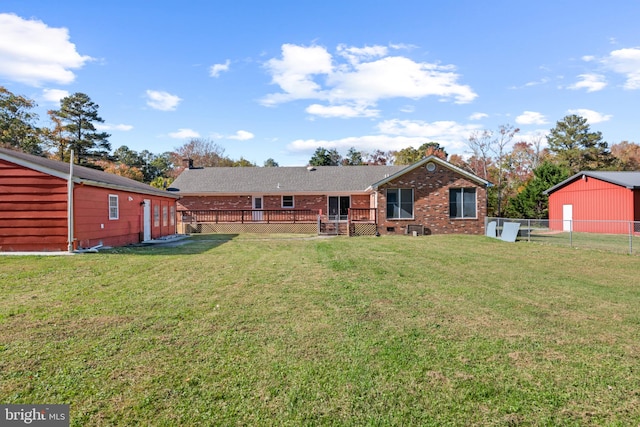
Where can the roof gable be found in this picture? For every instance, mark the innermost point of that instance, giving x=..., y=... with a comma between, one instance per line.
x=432, y=159
x=81, y=174
x=630, y=180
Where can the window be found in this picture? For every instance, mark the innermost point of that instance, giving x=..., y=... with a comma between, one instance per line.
x=172, y=215
x=165, y=215
x=114, y=213
x=400, y=203
x=287, y=202
x=462, y=202
x=156, y=216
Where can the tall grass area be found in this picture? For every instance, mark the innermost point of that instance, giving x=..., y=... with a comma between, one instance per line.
x=246, y=330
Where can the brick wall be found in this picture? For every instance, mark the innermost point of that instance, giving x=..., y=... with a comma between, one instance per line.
x=431, y=203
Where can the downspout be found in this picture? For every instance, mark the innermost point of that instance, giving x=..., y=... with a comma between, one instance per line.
x=70, y=205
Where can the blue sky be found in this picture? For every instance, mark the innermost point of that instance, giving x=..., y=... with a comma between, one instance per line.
x=276, y=79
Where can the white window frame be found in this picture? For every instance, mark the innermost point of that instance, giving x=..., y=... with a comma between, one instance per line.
x=114, y=207
x=293, y=202
x=156, y=215
x=475, y=202
x=399, y=195
x=165, y=216
x=172, y=215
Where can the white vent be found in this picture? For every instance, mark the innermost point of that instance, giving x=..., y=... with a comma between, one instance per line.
x=311, y=168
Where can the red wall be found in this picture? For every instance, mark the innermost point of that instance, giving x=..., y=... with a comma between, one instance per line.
x=92, y=224
x=33, y=213
x=593, y=200
x=33, y=210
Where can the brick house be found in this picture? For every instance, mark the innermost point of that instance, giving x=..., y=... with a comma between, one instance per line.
x=430, y=196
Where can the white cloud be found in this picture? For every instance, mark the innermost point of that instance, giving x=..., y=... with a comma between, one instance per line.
x=163, y=101
x=396, y=135
x=109, y=126
x=341, y=111
x=591, y=116
x=626, y=62
x=54, y=95
x=478, y=116
x=294, y=73
x=357, y=54
x=531, y=118
x=33, y=53
x=408, y=109
x=216, y=69
x=242, y=135
x=590, y=82
x=588, y=58
x=367, y=76
x=184, y=134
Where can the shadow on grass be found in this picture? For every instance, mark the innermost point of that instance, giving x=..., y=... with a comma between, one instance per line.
x=193, y=245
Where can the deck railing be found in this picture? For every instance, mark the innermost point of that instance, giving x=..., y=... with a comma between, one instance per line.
x=362, y=215
x=289, y=216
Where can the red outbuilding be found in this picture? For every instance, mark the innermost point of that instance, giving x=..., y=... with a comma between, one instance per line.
x=596, y=202
x=47, y=205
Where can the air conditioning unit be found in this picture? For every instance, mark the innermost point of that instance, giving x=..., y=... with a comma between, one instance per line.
x=417, y=228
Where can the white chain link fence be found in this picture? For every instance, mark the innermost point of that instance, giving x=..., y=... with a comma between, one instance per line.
x=614, y=236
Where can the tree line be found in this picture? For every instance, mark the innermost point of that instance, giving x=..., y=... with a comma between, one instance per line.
x=519, y=170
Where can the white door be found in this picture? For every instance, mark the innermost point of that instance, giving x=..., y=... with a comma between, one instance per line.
x=146, y=226
x=567, y=217
x=257, y=208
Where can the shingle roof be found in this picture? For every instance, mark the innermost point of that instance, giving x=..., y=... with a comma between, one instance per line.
x=629, y=180
x=82, y=174
x=269, y=180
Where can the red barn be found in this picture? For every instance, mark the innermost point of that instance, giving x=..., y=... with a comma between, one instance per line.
x=42, y=209
x=596, y=202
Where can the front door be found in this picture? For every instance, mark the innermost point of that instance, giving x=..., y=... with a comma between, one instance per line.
x=146, y=225
x=257, y=208
x=567, y=217
x=339, y=208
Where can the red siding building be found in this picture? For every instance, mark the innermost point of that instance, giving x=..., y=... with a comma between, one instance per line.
x=107, y=209
x=596, y=202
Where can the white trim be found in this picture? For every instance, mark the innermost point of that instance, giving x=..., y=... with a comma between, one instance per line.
x=475, y=192
x=117, y=207
x=413, y=203
x=293, y=201
x=434, y=159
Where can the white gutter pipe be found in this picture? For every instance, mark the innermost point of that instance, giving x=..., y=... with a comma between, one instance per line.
x=70, y=205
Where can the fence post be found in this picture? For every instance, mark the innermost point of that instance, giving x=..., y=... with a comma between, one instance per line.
x=528, y=230
x=630, y=237
x=571, y=233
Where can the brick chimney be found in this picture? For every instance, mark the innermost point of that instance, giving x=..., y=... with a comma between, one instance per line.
x=187, y=163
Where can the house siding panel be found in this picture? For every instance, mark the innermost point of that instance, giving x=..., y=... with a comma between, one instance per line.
x=93, y=226
x=33, y=210
x=598, y=206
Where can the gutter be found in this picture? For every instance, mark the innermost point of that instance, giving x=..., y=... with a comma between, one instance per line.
x=70, y=205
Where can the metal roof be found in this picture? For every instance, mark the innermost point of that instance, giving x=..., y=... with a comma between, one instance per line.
x=81, y=174
x=629, y=180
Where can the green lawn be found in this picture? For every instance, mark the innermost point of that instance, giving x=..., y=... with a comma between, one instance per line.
x=247, y=330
